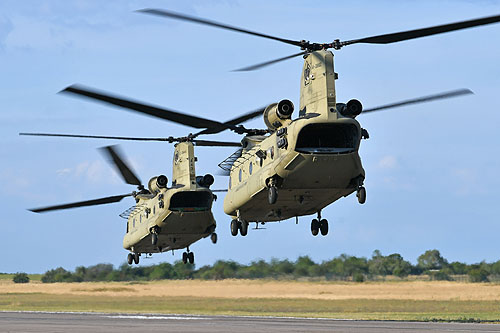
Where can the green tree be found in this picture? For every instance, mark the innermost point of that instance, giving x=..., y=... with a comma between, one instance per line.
x=431, y=259
x=478, y=275
x=21, y=278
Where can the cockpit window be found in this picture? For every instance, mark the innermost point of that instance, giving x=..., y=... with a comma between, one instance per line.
x=327, y=139
x=191, y=201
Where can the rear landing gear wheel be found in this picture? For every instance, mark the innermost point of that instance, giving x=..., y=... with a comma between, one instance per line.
x=323, y=227
x=234, y=227
x=243, y=228
x=272, y=195
x=136, y=258
x=213, y=238
x=190, y=257
x=361, y=194
x=130, y=258
x=315, y=227
x=154, y=239
x=184, y=257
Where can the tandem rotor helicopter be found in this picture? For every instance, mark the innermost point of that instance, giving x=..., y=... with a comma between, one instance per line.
x=294, y=167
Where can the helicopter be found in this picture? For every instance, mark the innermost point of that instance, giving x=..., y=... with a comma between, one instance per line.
x=163, y=218
x=312, y=160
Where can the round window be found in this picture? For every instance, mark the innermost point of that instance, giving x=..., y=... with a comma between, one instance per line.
x=250, y=167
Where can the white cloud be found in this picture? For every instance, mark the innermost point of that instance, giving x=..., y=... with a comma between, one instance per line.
x=467, y=182
x=388, y=162
x=91, y=171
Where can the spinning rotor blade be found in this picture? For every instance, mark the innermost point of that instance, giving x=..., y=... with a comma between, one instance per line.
x=94, y=202
x=417, y=33
x=128, y=175
x=208, y=143
x=267, y=63
x=234, y=122
x=424, y=99
x=169, y=139
x=183, y=17
x=154, y=111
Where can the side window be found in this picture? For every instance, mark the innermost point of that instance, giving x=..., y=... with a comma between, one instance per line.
x=134, y=223
x=250, y=167
x=239, y=177
x=140, y=218
x=154, y=210
x=229, y=182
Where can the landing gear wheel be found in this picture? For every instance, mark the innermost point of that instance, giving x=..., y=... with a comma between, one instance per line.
x=154, y=239
x=234, y=227
x=136, y=258
x=184, y=257
x=213, y=238
x=272, y=195
x=361, y=194
x=130, y=258
x=315, y=227
x=243, y=228
x=323, y=227
x=190, y=257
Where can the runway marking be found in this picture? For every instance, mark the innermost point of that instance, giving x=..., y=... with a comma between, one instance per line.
x=154, y=317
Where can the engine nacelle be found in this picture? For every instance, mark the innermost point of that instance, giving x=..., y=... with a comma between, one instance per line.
x=157, y=183
x=352, y=109
x=205, y=181
x=275, y=113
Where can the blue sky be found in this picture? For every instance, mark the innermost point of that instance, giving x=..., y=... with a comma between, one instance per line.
x=431, y=169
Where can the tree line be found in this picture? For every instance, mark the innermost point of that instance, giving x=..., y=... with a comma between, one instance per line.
x=343, y=267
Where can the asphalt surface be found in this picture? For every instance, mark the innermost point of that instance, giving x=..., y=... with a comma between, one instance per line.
x=123, y=323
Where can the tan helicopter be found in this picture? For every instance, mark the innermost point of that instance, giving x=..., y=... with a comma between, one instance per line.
x=313, y=159
x=163, y=218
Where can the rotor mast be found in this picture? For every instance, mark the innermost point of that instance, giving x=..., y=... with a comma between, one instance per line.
x=317, y=87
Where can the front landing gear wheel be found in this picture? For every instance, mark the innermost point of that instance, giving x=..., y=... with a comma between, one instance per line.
x=323, y=227
x=190, y=257
x=184, y=257
x=136, y=258
x=234, y=227
x=130, y=258
x=243, y=228
x=315, y=227
x=361, y=194
x=272, y=195
x=154, y=239
x=213, y=238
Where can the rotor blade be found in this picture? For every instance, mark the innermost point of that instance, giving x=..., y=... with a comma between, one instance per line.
x=424, y=99
x=154, y=111
x=417, y=33
x=207, y=143
x=233, y=122
x=219, y=190
x=99, y=137
x=183, y=17
x=170, y=139
x=94, y=202
x=267, y=63
x=128, y=175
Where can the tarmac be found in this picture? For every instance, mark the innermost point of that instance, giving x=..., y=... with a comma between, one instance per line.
x=77, y=322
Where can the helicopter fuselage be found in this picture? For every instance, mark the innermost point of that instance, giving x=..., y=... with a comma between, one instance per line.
x=313, y=160
x=179, y=216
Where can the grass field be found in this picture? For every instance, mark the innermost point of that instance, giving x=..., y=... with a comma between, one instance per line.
x=416, y=300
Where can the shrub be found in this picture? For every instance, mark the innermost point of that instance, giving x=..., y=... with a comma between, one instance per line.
x=21, y=278
x=358, y=277
x=478, y=275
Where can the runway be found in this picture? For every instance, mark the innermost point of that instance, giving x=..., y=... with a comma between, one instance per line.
x=124, y=323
